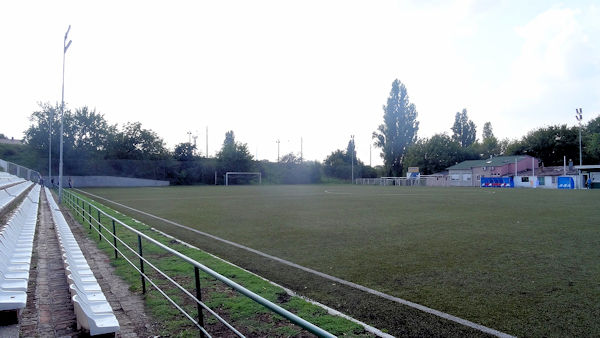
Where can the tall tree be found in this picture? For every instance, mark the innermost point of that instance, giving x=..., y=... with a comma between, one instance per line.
x=487, y=130
x=234, y=156
x=489, y=144
x=463, y=130
x=399, y=129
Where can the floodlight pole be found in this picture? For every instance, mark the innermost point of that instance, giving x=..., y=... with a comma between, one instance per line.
x=50, y=146
x=579, y=117
x=62, y=113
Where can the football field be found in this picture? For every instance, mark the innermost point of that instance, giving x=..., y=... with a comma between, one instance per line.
x=522, y=261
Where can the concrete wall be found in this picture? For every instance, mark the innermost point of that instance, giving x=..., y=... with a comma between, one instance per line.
x=107, y=181
x=461, y=178
x=437, y=181
x=534, y=182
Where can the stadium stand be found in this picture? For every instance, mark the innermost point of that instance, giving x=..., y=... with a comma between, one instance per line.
x=7, y=179
x=92, y=310
x=16, y=246
x=11, y=193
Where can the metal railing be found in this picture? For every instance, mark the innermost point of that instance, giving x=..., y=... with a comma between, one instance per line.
x=78, y=206
x=19, y=171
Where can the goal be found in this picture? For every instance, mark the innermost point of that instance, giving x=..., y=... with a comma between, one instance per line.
x=233, y=174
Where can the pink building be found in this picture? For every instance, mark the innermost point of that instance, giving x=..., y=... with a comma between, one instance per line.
x=469, y=173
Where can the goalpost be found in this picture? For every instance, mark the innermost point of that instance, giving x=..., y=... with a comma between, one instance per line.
x=242, y=173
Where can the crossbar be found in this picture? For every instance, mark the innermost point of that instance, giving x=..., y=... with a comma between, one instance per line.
x=242, y=173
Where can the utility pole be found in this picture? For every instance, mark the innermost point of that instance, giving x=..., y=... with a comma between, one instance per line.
x=62, y=113
x=206, y=141
x=189, y=137
x=278, y=149
x=301, y=151
x=353, y=152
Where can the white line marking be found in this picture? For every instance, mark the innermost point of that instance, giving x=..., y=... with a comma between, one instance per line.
x=324, y=275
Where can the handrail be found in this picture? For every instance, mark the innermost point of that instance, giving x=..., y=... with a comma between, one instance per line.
x=145, y=276
x=260, y=300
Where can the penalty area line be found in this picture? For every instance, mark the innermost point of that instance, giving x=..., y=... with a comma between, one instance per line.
x=420, y=307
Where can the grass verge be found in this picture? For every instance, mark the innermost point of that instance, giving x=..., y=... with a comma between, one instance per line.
x=247, y=316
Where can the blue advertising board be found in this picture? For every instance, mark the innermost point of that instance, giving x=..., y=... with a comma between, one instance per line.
x=565, y=182
x=497, y=182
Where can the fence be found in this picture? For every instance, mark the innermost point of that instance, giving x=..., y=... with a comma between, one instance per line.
x=92, y=216
x=20, y=171
x=387, y=181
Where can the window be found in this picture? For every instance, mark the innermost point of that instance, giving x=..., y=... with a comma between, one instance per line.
x=525, y=179
x=542, y=180
x=553, y=179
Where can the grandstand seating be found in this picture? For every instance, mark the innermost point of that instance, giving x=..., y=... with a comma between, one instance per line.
x=7, y=179
x=11, y=193
x=16, y=245
x=92, y=310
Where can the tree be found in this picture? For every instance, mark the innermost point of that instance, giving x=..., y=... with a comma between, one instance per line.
x=337, y=165
x=463, y=130
x=489, y=145
x=399, y=129
x=90, y=131
x=437, y=153
x=591, y=141
x=42, y=121
x=137, y=143
x=351, y=150
x=487, y=131
x=234, y=156
x=549, y=144
x=184, y=152
x=289, y=159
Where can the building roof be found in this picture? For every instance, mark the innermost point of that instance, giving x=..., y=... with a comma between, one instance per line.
x=548, y=171
x=587, y=167
x=490, y=162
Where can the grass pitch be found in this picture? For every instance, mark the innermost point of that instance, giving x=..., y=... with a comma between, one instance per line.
x=522, y=261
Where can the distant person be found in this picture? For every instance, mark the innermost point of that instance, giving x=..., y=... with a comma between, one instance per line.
x=70, y=183
x=52, y=182
x=589, y=182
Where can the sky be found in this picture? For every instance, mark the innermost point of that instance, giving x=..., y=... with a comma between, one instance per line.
x=319, y=71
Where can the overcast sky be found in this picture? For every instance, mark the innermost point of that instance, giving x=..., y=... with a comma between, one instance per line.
x=320, y=70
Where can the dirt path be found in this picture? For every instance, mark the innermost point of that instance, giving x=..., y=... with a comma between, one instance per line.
x=49, y=310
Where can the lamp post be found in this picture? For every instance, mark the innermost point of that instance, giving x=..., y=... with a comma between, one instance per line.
x=62, y=113
x=353, y=152
x=278, y=149
x=579, y=117
x=50, y=145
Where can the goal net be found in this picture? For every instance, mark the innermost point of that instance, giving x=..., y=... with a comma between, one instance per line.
x=236, y=177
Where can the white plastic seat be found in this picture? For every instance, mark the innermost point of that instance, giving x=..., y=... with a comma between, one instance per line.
x=16, y=244
x=12, y=300
x=92, y=310
x=12, y=284
x=96, y=323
